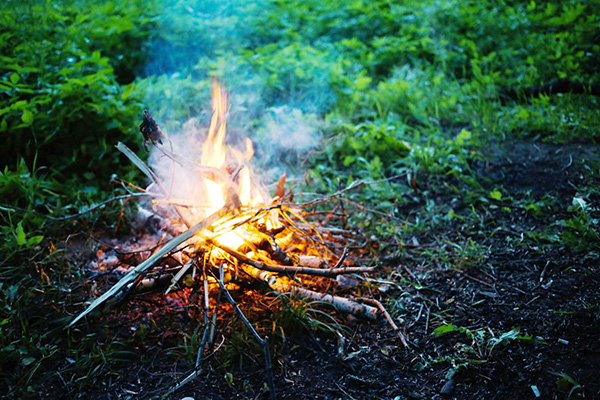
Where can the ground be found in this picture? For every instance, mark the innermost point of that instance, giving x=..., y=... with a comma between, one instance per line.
x=516, y=315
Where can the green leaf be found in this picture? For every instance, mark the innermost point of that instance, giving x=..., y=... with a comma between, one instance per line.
x=440, y=330
x=20, y=234
x=34, y=240
x=523, y=114
x=27, y=360
x=495, y=194
x=579, y=204
x=229, y=378
x=14, y=78
x=27, y=117
x=506, y=337
x=463, y=137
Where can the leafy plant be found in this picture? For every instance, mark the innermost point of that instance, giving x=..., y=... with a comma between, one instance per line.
x=59, y=89
x=566, y=383
x=582, y=230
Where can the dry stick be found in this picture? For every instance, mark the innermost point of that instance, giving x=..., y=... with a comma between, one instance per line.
x=5, y=207
x=206, y=322
x=198, y=367
x=264, y=342
x=282, y=269
x=341, y=259
x=243, y=221
x=179, y=274
x=387, y=316
x=213, y=323
x=341, y=303
x=172, y=244
x=475, y=279
x=365, y=209
x=321, y=241
x=352, y=186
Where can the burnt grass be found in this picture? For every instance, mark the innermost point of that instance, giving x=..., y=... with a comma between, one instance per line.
x=524, y=305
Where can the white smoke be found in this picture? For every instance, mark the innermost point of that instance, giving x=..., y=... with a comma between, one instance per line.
x=282, y=133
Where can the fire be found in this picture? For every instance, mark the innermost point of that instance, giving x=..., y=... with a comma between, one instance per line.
x=231, y=223
x=233, y=182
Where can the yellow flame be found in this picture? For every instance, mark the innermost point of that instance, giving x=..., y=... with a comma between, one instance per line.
x=214, y=154
x=213, y=148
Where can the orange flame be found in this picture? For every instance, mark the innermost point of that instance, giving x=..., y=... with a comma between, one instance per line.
x=216, y=154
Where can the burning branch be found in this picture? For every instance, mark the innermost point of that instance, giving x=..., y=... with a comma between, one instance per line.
x=292, y=270
x=341, y=303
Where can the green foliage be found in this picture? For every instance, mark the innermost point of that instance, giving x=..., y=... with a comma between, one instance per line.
x=582, y=231
x=565, y=383
x=484, y=341
x=60, y=97
x=65, y=100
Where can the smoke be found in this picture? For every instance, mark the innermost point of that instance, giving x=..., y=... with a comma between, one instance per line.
x=285, y=136
x=197, y=40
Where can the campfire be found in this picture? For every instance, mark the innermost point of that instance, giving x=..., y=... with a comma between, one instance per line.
x=224, y=228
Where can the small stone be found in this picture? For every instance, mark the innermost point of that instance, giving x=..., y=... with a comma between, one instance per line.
x=188, y=398
x=448, y=388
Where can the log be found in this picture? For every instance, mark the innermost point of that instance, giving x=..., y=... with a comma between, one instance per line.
x=340, y=303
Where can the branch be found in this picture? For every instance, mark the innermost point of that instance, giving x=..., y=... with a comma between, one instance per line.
x=4, y=207
x=341, y=303
x=137, y=271
x=282, y=269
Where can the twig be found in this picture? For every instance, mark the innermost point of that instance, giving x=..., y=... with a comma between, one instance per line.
x=294, y=225
x=196, y=372
x=6, y=207
x=569, y=164
x=543, y=273
x=179, y=274
x=341, y=303
x=419, y=314
x=365, y=209
x=264, y=342
x=475, y=279
x=410, y=273
x=137, y=271
x=341, y=260
x=283, y=269
x=206, y=323
x=352, y=186
x=343, y=391
x=387, y=315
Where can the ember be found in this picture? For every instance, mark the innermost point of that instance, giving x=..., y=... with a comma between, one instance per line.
x=230, y=227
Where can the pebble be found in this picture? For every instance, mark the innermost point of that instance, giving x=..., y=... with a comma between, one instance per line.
x=448, y=388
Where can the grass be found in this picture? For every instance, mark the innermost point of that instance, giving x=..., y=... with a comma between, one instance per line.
x=384, y=89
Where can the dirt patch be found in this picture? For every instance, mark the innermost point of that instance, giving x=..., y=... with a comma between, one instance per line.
x=538, y=167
